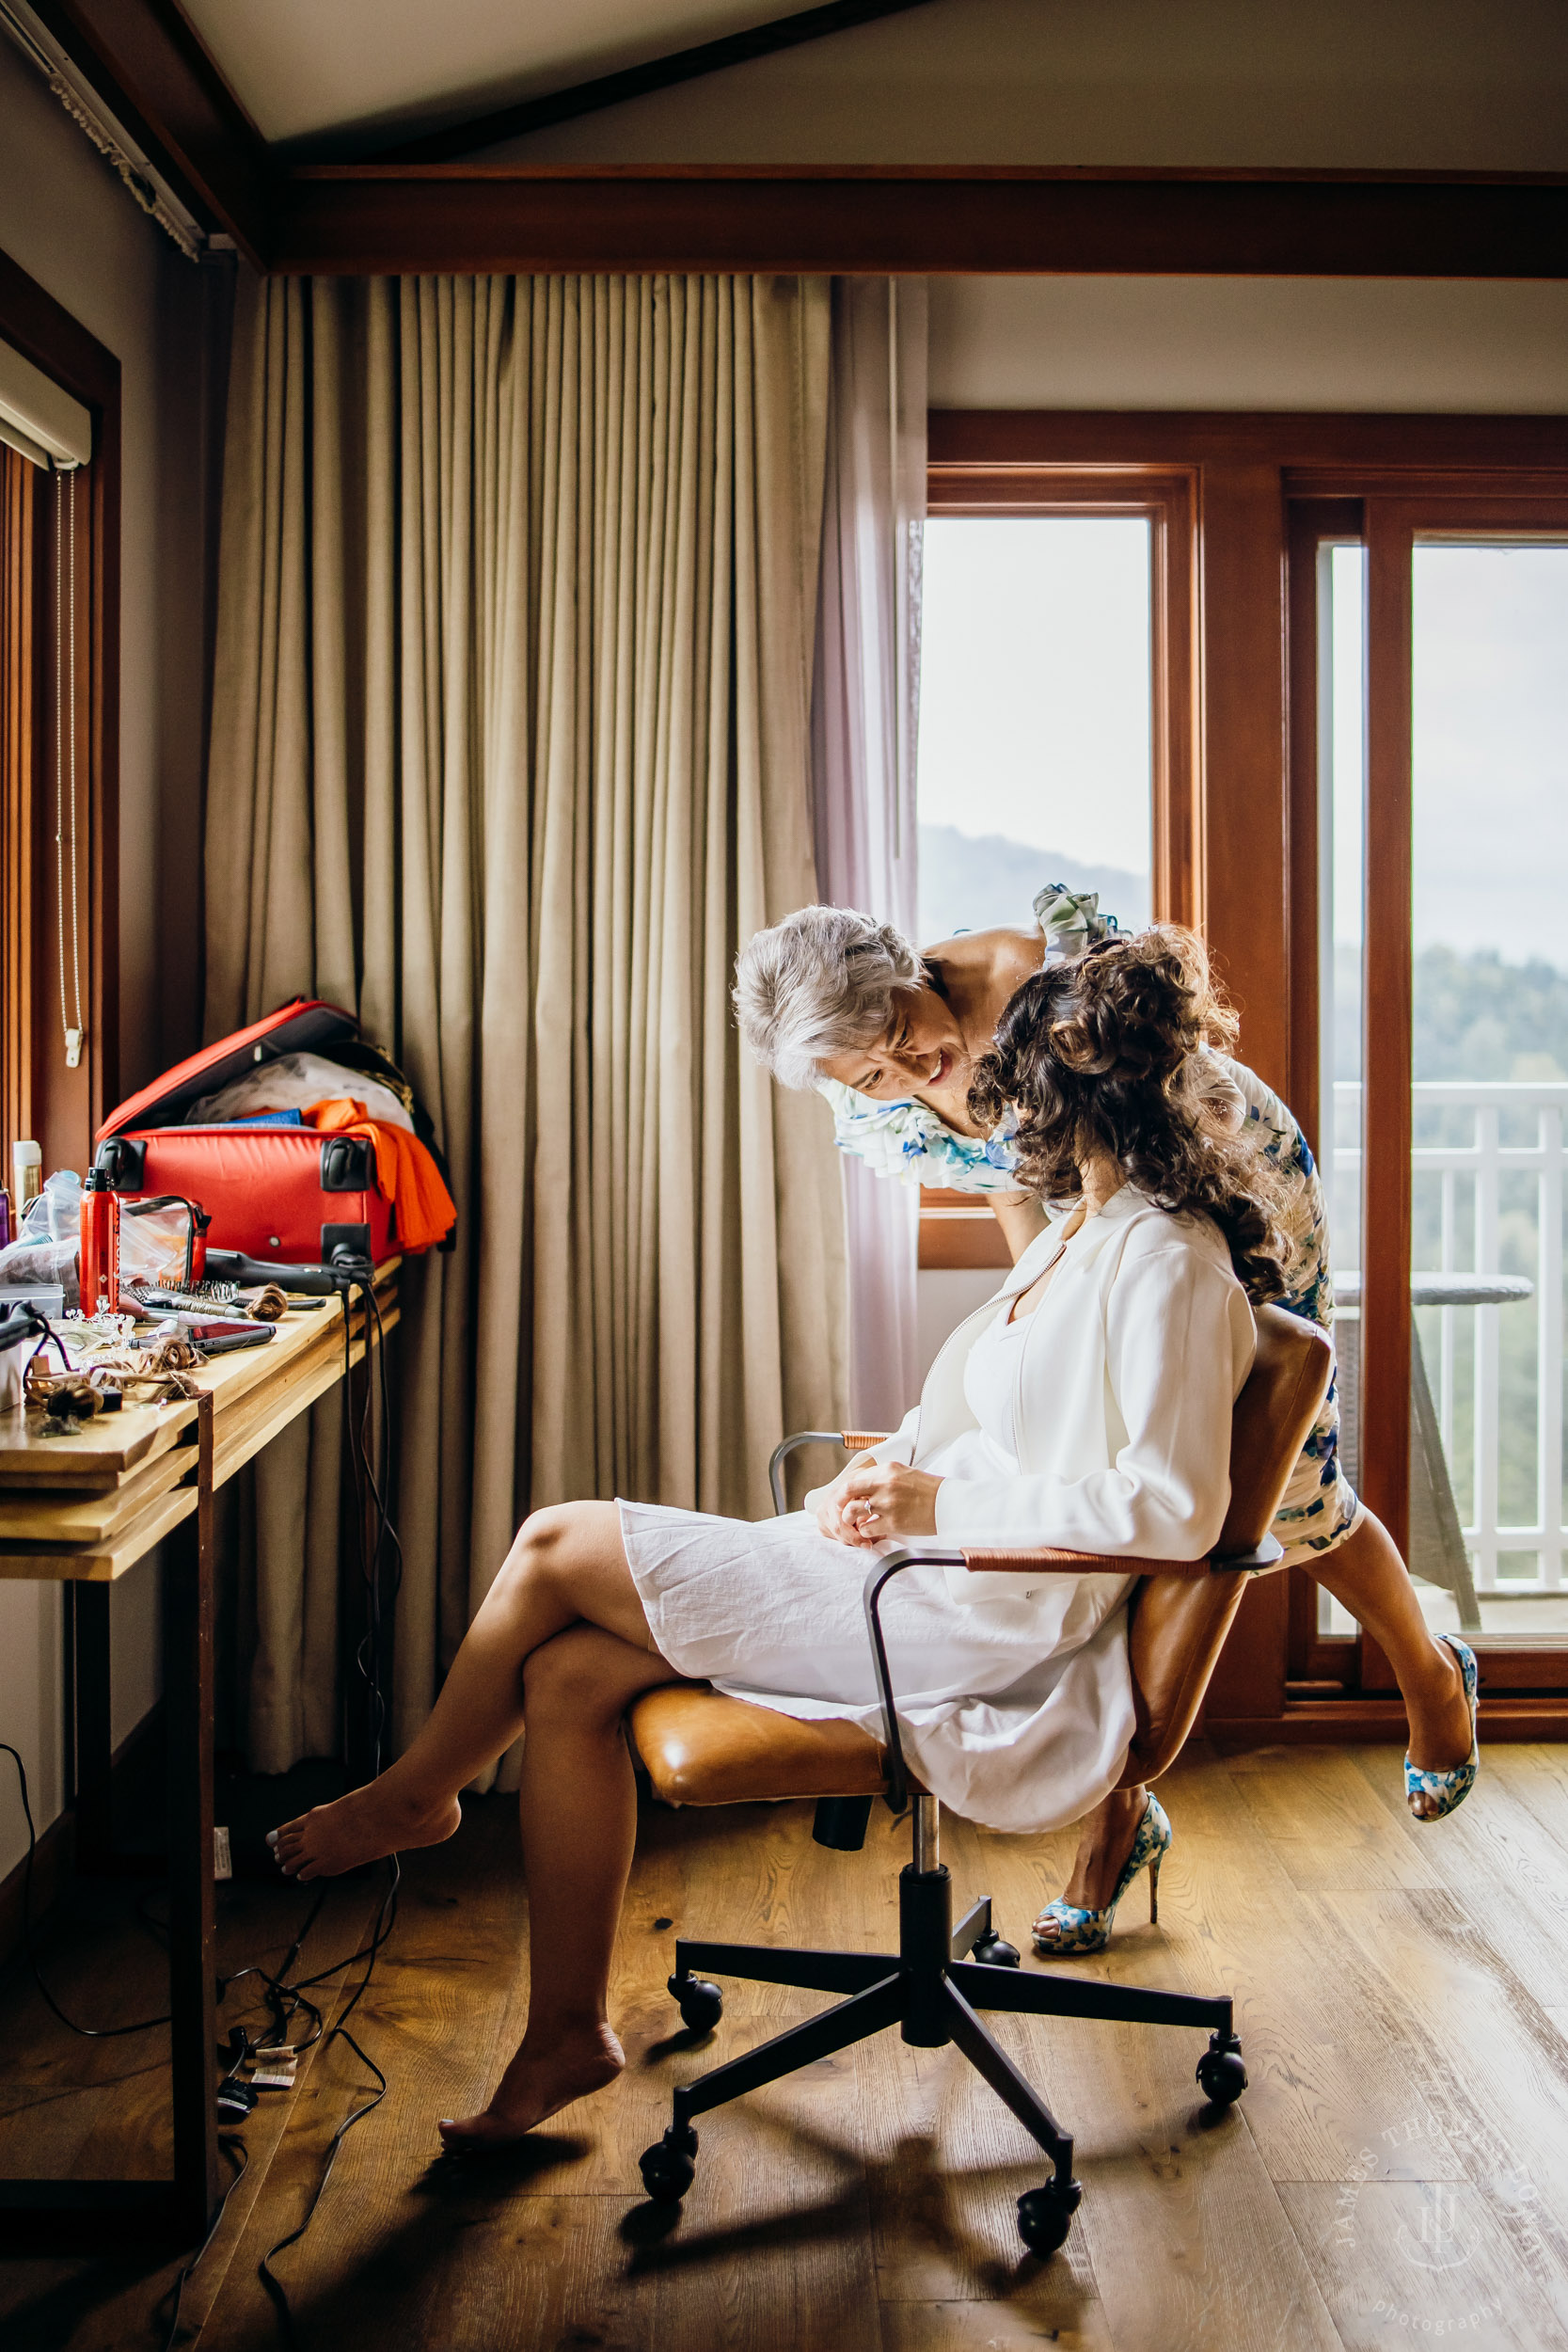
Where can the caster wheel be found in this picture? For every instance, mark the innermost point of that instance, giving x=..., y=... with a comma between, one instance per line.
x=1220, y=2076
x=668, y=2167
x=995, y=1951
x=1045, y=2215
x=701, y=2004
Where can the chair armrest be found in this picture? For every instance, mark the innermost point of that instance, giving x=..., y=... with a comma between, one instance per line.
x=852, y=1440
x=1264, y=1554
x=1049, y=1561
x=880, y=1573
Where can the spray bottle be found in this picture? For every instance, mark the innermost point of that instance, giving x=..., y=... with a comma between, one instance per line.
x=100, y=1245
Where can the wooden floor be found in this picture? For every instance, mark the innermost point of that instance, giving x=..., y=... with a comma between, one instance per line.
x=1394, y=2174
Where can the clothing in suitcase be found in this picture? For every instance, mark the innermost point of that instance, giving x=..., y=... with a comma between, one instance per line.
x=289, y=1193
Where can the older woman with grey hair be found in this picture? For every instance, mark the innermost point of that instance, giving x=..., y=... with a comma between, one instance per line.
x=892, y=1036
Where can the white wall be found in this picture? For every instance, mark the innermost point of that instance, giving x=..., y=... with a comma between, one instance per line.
x=66, y=219
x=1466, y=345
x=1434, y=85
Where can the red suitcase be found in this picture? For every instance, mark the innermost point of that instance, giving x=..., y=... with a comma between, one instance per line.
x=288, y=1194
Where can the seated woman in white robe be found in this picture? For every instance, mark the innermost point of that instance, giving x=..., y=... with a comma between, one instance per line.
x=1089, y=1407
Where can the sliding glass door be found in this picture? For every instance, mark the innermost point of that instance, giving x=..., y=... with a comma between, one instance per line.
x=1440, y=718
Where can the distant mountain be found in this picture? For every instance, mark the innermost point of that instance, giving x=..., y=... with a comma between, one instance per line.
x=1478, y=1017
x=1475, y=1016
x=976, y=882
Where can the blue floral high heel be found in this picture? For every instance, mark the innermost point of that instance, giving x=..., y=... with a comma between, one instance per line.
x=1090, y=1930
x=1449, y=1789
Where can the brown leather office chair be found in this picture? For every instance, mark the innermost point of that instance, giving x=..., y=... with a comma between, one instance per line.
x=700, y=1747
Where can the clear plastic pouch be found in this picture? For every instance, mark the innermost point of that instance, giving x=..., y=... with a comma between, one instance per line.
x=156, y=1239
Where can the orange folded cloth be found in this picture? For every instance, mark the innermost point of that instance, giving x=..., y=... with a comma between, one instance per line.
x=404, y=1172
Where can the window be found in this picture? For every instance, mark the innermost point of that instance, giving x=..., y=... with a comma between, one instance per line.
x=60, y=396
x=1036, y=756
x=1055, y=720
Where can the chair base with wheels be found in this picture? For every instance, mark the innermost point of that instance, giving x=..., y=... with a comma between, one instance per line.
x=700, y=1747
x=933, y=1988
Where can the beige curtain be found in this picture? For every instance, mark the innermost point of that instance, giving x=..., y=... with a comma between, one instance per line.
x=510, y=754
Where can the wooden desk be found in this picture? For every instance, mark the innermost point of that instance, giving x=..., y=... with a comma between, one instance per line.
x=83, y=1509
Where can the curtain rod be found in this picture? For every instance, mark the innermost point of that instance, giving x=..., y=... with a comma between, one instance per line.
x=146, y=184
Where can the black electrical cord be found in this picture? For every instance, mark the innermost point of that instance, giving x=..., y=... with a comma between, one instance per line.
x=88, y=2033
x=369, y=1489
x=232, y=2147
x=339, y=2031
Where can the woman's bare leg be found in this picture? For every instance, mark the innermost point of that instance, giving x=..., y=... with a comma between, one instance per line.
x=1104, y=1841
x=1367, y=1578
x=568, y=1566
x=578, y=1807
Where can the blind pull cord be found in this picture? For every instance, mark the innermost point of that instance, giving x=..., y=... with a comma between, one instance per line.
x=65, y=834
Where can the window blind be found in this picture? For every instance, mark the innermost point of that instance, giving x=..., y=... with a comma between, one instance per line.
x=37, y=418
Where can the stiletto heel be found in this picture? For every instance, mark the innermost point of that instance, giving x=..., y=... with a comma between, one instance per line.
x=1079, y=1930
x=1450, y=1788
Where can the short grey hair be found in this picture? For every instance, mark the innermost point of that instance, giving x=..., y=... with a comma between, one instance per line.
x=819, y=984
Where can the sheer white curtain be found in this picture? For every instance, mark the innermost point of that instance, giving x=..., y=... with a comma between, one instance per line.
x=864, y=712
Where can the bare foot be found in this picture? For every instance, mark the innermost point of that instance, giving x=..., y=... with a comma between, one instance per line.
x=361, y=1827
x=1439, y=1724
x=541, y=2080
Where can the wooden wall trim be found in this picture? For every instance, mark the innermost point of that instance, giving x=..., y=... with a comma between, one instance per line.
x=1339, y=446
x=334, y=219
x=45, y=332
x=1385, y=1110
x=1169, y=496
x=146, y=62
x=1242, y=724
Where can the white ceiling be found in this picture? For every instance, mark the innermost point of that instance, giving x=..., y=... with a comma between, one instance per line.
x=304, y=67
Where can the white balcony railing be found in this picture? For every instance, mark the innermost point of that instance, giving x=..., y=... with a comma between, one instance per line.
x=1487, y=1170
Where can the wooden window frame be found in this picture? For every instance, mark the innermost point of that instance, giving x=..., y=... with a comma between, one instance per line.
x=38, y=1095
x=1254, y=833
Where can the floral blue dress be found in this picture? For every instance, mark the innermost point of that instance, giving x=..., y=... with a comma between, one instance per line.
x=907, y=1141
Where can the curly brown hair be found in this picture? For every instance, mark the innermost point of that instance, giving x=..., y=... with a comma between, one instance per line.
x=1103, y=1055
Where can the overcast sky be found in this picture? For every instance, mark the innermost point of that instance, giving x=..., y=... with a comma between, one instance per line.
x=1034, y=686
x=1035, y=715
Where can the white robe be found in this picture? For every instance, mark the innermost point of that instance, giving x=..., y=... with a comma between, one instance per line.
x=1110, y=1434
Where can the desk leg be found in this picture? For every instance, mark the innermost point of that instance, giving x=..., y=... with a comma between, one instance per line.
x=188, y=1615
x=359, y=1736
x=90, y=1627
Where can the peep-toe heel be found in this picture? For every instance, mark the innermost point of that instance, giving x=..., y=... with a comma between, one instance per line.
x=1081, y=1930
x=1449, y=1789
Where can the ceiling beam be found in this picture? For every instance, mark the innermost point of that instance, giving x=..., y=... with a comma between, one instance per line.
x=144, y=59
x=337, y=218
x=613, y=89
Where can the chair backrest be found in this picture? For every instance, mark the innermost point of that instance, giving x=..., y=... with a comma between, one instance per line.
x=1178, y=1623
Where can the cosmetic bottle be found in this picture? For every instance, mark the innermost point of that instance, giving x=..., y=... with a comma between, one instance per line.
x=26, y=1176
x=100, y=1245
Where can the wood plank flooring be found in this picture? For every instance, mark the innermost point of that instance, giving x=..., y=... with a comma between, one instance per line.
x=1393, y=2175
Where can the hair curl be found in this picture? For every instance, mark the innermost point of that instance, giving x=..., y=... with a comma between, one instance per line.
x=1103, y=1055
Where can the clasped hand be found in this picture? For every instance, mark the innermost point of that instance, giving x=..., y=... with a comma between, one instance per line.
x=869, y=1502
